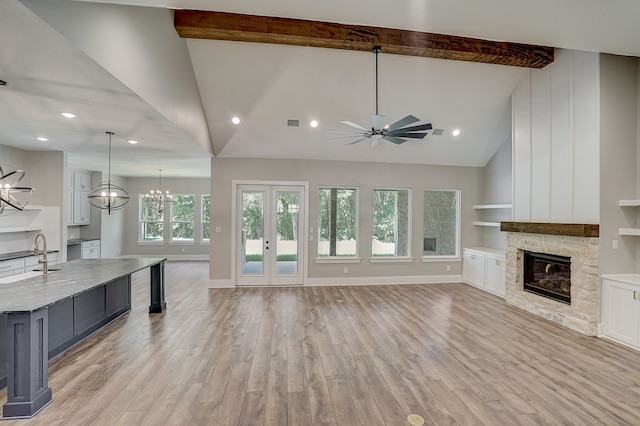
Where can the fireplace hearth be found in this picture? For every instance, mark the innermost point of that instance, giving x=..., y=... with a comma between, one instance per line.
x=547, y=275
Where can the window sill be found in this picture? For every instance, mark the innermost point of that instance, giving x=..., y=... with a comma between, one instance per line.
x=436, y=259
x=182, y=243
x=338, y=260
x=391, y=259
x=150, y=243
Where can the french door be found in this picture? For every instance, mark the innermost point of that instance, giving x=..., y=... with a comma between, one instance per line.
x=269, y=234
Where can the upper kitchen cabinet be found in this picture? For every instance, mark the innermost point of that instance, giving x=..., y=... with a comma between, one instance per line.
x=78, y=189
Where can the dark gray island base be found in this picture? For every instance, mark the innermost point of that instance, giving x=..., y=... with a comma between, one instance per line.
x=42, y=316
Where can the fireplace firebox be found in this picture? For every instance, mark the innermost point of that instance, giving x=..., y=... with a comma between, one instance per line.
x=548, y=275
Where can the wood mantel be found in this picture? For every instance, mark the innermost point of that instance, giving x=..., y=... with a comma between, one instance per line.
x=568, y=229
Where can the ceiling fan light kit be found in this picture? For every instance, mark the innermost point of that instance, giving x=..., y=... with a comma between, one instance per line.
x=396, y=133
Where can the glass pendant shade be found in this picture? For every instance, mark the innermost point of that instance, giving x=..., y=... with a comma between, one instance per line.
x=107, y=195
x=14, y=193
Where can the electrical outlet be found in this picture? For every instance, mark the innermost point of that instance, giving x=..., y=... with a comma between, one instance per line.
x=448, y=268
x=346, y=270
x=615, y=244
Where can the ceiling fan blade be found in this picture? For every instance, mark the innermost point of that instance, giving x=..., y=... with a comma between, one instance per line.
x=352, y=124
x=345, y=137
x=378, y=121
x=357, y=132
x=355, y=142
x=409, y=135
x=394, y=139
x=419, y=128
x=409, y=119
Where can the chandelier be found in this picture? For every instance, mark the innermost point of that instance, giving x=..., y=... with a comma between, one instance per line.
x=107, y=195
x=13, y=196
x=156, y=201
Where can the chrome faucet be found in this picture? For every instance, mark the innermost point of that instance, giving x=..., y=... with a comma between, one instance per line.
x=36, y=252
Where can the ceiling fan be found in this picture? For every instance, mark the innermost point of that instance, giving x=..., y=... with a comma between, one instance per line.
x=396, y=132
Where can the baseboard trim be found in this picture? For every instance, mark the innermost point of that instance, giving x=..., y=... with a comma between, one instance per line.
x=359, y=281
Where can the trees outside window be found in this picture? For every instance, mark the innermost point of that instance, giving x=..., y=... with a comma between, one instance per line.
x=183, y=218
x=441, y=222
x=337, y=221
x=391, y=219
x=206, y=217
x=151, y=223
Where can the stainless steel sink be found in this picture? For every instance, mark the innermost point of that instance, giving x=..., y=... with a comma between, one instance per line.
x=48, y=269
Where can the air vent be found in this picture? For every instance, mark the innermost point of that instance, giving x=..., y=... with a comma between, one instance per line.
x=293, y=123
x=437, y=132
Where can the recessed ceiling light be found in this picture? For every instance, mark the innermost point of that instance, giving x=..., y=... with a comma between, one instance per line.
x=132, y=142
x=456, y=132
x=314, y=123
x=69, y=115
x=41, y=139
x=235, y=120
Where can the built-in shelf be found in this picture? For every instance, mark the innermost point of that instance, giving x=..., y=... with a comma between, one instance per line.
x=491, y=206
x=11, y=229
x=492, y=224
x=629, y=231
x=629, y=203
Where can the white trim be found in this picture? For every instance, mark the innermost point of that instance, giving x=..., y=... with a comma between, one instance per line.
x=391, y=259
x=182, y=243
x=441, y=259
x=331, y=259
x=357, y=281
x=221, y=284
x=151, y=243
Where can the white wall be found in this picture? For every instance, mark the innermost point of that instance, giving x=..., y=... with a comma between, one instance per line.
x=556, y=141
x=363, y=175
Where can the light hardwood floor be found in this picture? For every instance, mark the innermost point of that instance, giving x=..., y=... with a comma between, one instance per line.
x=337, y=356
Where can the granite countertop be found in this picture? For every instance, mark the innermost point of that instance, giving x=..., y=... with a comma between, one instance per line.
x=72, y=278
x=19, y=254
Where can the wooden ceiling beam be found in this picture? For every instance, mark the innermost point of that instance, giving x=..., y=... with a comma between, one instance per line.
x=265, y=29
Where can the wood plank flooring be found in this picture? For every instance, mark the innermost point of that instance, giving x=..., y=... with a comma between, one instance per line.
x=368, y=355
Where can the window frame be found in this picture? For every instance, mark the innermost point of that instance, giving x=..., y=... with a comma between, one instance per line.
x=409, y=230
x=142, y=222
x=339, y=259
x=204, y=240
x=458, y=225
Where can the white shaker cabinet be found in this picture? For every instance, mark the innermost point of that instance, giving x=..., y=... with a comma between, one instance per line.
x=90, y=249
x=621, y=308
x=484, y=268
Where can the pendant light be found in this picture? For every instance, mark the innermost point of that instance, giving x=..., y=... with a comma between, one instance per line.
x=156, y=201
x=14, y=196
x=107, y=195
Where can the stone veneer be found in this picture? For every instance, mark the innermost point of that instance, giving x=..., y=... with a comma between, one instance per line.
x=582, y=314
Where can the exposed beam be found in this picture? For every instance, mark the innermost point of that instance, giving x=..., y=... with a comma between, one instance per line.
x=265, y=29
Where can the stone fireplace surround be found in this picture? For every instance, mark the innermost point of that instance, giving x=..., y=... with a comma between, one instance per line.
x=581, y=245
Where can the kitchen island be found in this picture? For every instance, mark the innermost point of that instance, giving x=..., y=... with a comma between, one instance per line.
x=42, y=316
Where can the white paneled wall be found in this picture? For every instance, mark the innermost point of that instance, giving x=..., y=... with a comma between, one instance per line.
x=556, y=139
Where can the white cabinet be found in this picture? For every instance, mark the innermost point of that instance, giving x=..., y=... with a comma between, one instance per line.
x=91, y=249
x=78, y=207
x=11, y=267
x=484, y=268
x=621, y=308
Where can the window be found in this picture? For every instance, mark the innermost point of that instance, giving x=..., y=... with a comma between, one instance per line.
x=182, y=218
x=391, y=236
x=151, y=222
x=206, y=217
x=441, y=212
x=337, y=222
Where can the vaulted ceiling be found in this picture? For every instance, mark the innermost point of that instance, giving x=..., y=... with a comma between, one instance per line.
x=121, y=66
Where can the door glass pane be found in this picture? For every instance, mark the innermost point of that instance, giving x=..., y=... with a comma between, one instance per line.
x=252, y=243
x=287, y=217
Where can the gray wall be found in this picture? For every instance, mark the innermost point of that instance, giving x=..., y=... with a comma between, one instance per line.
x=365, y=176
x=137, y=186
x=618, y=146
